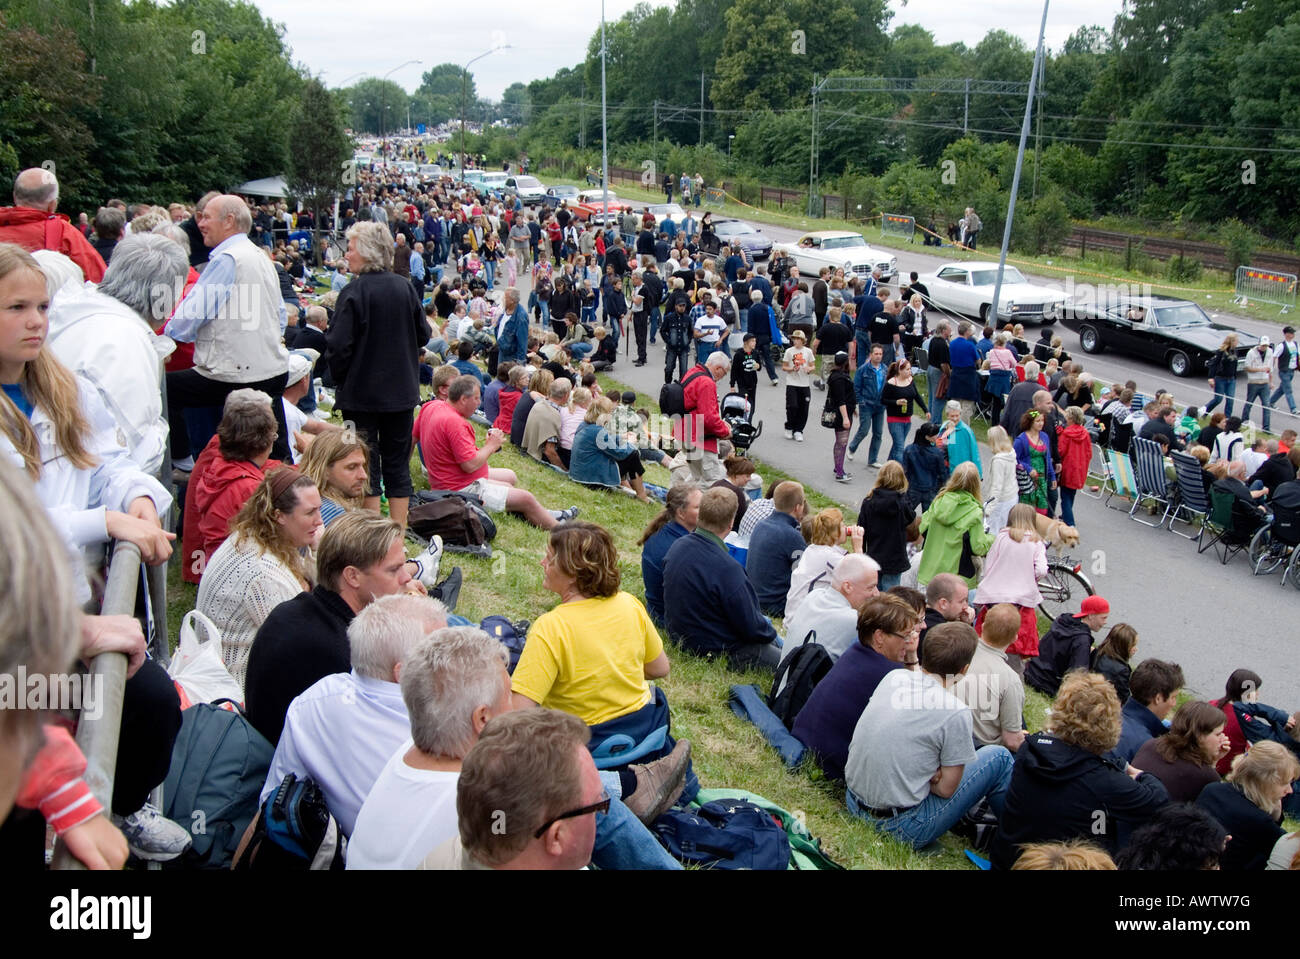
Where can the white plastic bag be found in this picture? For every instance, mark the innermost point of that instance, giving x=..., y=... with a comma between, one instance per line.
x=197, y=665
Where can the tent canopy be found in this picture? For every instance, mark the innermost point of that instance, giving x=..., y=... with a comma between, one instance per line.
x=267, y=186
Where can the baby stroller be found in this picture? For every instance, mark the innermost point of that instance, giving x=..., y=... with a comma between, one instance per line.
x=737, y=414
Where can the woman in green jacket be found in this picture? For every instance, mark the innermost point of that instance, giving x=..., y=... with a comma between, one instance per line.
x=955, y=514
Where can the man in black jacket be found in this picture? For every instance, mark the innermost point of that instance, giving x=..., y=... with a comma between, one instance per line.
x=1161, y=429
x=1066, y=646
x=361, y=557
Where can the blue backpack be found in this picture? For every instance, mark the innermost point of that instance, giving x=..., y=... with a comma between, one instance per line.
x=511, y=635
x=724, y=834
x=219, y=764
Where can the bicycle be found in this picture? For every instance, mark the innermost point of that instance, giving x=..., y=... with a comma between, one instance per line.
x=1063, y=587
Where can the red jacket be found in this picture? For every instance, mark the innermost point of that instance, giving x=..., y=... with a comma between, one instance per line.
x=702, y=426
x=38, y=230
x=1075, y=447
x=509, y=399
x=53, y=783
x=218, y=488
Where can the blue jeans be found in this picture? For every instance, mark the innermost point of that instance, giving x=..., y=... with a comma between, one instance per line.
x=490, y=273
x=1254, y=390
x=1284, y=389
x=1224, y=389
x=898, y=435
x=654, y=323
x=871, y=419
x=1067, y=504
x=580, y=351
x=932, y=377
x=933, y=816
x=622, y=842
x=888, y=581
x=545, y=306
x=589, y=315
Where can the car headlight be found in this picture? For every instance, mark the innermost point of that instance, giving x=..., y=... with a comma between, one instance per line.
x=1011, y=306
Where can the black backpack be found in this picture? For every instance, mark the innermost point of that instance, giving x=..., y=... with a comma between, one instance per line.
x=802, y=670
x=672, y=398
x=459, y=518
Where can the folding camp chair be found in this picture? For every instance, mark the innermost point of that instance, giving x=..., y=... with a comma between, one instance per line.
x=1121, y=482
x=1230, y=529
x=1149, y=469
x=1098, y=473
x=1122, y=437
x=1193, y=501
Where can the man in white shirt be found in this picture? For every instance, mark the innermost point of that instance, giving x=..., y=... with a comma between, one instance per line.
x=1259, y=374
x=709, y=330
x=1286, y=358
x=340, y=731
x=833, y=613
x=913, y=771
x=452, y=682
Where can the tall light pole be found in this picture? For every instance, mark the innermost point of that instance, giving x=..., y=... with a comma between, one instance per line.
x=383, y=113
x=464, y=92
x=1020, y=162
x=604, y=122
x=730, y=137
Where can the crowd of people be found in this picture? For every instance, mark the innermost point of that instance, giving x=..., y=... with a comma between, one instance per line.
x=431, y=745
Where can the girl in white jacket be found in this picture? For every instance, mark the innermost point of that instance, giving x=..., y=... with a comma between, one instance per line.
x=55, y=428
x=1003, y=491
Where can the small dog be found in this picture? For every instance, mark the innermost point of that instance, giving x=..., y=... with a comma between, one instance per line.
x=1055, y=533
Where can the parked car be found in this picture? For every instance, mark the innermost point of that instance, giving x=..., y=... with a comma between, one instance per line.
x=967, y=288
x=430, y=170
x=1177, y=333
x=591, y=206
x=494, y=183
x=748, y=237
x=529, y=189
x=565, y=192
x=662, y=210
x=836, y=249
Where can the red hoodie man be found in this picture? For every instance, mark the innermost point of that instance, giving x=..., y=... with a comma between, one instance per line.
x=702, y=426
x=218, y=488
x=33, y=224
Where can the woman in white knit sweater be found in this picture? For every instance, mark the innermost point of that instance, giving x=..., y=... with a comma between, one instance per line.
x=1002, y=489
x=266, y=560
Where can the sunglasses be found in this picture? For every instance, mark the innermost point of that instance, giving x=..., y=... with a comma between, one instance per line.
x=602, y=806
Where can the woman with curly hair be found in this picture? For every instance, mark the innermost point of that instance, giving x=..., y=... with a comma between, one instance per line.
x=266, y=560
x=1061, y=786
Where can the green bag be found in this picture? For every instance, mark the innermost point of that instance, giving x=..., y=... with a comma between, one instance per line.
x=805, y=851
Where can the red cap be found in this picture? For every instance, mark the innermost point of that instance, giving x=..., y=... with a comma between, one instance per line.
x=1091, y=605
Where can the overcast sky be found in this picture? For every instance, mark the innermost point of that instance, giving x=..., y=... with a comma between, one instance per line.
x=337, y=40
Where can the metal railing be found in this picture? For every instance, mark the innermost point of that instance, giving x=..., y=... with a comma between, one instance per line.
x=98, y=737
x=899, y=225
x=1265, y=286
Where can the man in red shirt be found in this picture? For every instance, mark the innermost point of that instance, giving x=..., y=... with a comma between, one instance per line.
x=33, y=224
x=455, y=461
x=702, y=426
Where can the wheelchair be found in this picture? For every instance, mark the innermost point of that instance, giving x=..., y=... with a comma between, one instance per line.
x=1276, y=544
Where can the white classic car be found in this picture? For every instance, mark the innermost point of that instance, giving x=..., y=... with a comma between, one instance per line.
x=839, y=249
x=967, y=288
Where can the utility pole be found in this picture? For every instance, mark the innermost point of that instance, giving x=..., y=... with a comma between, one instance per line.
x=965, y=118
x=582, y=118
x=812, y=153
x=604, y=121
x=1020, y=161
x=654, y=141
x=700, y=141
x=1038, y=136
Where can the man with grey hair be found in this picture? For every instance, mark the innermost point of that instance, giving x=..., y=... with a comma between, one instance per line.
x=831, y=614
x=234, y=315
x=106, y=336
x=542, y=431
x=34, y=223
x=1021, y=399
x=340, y=731
x=702, y=426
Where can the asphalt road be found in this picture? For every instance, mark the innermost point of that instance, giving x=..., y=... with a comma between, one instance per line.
x=1186, y=607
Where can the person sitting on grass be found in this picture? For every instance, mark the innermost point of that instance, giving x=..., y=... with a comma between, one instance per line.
x=1183, y=758
x=1179, y=838
x=542, y=430
x=1249, y=804
x=336, y=461
x=464, y=361
x=455, y=462
x=1063, y=787
x=1074, y=854
x=1112, y=658
x=775, y=546
x=509, y=397
x=599, y=459
x=1154, y=688
x=886, y=626
x=711, y=607
x=912, y=770
x=992, y=689
x=1066, y=645
x=680, y=515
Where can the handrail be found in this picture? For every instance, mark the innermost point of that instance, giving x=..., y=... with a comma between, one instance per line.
x=98, y=737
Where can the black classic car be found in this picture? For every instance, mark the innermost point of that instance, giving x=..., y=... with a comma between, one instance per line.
x=1177, y=333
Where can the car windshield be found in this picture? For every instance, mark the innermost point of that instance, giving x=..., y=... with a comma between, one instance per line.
x=842, y=242
x=990, y=277
x=735, y=227
x=528, y=181
x=1187, y=314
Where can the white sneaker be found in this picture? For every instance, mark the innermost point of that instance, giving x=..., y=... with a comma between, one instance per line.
x=876, y=464
x=851, y=455
x=789, y=435
x=428, y=563
x=798, y=437
x=151, y=835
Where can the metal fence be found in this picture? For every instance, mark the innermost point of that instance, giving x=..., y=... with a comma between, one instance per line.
x=896, y=224
x=1265, y=286
x=97, y=737
x=714, y=196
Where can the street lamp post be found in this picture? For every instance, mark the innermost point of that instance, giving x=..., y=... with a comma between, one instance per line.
x=730, y=137
x=464, y=93
x=383, y=113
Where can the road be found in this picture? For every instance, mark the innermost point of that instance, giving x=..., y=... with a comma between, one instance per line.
x=1186, y=607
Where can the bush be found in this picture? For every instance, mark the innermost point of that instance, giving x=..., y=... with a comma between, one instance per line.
x=1183, y=269
x=1239, y=243
x=1043, y=227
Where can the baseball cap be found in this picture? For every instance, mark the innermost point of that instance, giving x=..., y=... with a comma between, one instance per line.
x=629, y=397
x=1264, y=341
x=1091, y=605
x=841, y=358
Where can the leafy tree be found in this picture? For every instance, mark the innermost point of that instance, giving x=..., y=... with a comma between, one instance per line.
x=321, y=152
